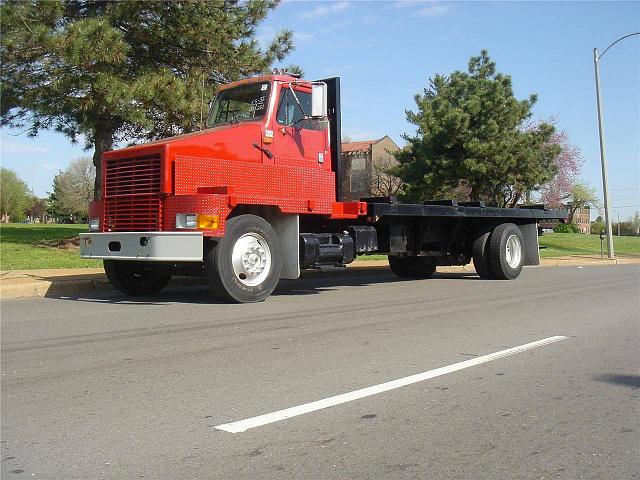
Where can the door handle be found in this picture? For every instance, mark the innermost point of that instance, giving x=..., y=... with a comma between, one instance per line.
x=263, y=150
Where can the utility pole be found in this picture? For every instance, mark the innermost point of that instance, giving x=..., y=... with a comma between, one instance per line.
x=603, y=158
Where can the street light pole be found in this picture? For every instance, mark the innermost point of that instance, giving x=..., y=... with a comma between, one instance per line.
x=603, y=159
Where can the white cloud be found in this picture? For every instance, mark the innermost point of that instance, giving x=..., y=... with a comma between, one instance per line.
x=302, y=37
x=434, y=10
x=327, y=8
x=24, y=148
x=356, y=136
x=425, y=8
x=48, y=166
x=404, y=3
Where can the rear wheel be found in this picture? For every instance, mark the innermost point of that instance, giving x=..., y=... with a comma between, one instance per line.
x=135, y=278
x=412, y=267
x=480, y=252
x=244, y=266
x=506, y=251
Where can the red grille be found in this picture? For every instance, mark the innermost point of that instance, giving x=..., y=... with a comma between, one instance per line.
x=132, y=194
x=133, y=176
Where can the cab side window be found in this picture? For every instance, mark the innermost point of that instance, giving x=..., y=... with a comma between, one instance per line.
x=289, y=112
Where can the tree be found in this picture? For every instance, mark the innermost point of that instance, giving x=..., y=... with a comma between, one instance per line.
x=635, y=223
x=568, y=163
x=14, y=196
x=83, y=174
x=597, y=227
x=631, y=227
x=383, y=182
x=36, y=207
x=73, y=189
x=581, y=196
x=114, y=71
x=472, y=133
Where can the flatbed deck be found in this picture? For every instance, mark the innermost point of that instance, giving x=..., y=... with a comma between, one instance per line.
x=452, y=208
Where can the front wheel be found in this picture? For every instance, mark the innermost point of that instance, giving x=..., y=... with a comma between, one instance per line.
x=135, y=278
x=244, y=266
x=412, y=267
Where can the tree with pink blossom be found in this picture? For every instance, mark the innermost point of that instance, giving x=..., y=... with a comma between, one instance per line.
x=556, y=192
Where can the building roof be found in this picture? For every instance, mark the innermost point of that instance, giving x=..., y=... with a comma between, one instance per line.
x=362, y=146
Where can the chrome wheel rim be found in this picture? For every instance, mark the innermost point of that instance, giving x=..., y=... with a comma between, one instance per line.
x=514, y=251
x=251, y=259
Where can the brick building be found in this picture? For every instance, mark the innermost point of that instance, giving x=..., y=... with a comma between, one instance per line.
x=362, y=163
x=582, y=219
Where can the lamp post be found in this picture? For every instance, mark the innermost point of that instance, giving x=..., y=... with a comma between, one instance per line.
x=603, y=160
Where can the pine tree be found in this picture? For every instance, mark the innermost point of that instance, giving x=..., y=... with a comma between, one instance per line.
x=473, y=136
x=108, y=72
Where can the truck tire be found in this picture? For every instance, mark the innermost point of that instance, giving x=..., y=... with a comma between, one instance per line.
x=480, y=253
x=244, y=266
x=134, y=278
x=506, y=251
x=412, y=267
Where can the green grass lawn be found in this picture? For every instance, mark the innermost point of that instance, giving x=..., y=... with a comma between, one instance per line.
x=561, y=244
x=34, y=246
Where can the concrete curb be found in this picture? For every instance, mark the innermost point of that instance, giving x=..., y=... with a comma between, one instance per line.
x=52, y=283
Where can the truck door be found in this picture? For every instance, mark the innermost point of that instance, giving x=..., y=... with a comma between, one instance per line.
x=298, y=141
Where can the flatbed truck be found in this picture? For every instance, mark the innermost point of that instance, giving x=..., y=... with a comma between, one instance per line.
x=257, y=197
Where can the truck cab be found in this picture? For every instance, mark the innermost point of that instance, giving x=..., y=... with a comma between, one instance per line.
x=271, y=149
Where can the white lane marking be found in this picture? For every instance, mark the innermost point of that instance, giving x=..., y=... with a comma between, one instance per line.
x=242, y=425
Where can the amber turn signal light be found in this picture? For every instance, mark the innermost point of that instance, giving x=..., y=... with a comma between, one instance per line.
x=208, y=222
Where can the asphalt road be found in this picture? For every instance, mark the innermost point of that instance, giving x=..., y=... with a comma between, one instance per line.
x=104, y=387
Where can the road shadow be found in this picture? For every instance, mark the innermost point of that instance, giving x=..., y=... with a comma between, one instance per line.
x=196, y=291
x=632, y=381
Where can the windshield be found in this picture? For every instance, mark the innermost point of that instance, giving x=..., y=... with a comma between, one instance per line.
x=246, y=102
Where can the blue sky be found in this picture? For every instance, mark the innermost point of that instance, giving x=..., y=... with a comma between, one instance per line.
x=385, y=52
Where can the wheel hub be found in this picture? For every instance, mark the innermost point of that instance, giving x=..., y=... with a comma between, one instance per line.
x=513, y=252
x=251, y=259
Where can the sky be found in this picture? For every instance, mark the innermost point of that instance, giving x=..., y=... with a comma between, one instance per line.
x=386, y=51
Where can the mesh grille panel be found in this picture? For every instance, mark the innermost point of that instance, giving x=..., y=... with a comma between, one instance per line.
x=132, y=194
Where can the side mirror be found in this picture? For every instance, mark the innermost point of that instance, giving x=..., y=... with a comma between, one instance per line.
x=318, y=100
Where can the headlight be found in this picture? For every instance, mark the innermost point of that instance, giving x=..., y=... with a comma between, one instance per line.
x=94, y=224
x=186, y=220
x=192, y=221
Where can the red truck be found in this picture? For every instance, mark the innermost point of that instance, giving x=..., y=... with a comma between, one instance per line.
x=257, y=196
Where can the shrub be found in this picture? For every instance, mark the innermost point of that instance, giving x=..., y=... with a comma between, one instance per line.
x=566, y=228
x=597, y=227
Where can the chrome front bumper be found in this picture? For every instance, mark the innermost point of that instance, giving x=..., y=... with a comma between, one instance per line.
x=147, y=246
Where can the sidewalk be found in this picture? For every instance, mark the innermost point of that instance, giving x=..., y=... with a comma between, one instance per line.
x=72, y=281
